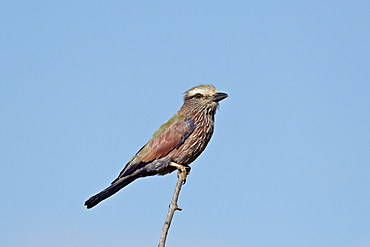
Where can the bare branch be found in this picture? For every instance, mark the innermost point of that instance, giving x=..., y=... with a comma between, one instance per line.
x=181, y=174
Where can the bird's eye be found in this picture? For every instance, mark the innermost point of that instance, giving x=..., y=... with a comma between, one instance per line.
x=198, y=96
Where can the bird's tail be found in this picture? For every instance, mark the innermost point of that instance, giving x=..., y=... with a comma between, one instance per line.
x=109, y=191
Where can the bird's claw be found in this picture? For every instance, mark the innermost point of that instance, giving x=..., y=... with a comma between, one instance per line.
x=184, y=169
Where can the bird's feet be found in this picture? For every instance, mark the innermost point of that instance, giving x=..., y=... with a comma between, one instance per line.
x=184, y=169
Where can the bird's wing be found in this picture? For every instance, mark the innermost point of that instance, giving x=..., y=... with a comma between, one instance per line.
x=168, y=137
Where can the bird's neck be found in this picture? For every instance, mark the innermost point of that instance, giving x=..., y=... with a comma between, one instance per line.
x=201, y=114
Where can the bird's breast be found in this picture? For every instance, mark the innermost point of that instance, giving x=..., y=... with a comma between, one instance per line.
x=195, y=144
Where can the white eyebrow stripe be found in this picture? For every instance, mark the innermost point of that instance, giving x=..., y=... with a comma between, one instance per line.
x=206, y=90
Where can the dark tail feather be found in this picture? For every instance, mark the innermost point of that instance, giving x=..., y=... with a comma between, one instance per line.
x=111, y=190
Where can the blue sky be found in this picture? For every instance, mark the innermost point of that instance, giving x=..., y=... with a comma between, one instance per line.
x=84, y=84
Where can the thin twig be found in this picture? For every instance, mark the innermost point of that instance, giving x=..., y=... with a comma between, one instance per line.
x=182, y=173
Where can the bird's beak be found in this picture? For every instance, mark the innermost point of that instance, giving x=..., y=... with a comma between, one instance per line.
x=219, y=96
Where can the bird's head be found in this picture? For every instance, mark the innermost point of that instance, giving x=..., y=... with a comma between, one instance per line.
x=204, y=97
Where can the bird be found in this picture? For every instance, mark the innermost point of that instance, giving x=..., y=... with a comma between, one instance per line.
x=175, y=144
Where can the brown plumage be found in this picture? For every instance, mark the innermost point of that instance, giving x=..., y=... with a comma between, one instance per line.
x=180, y=140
